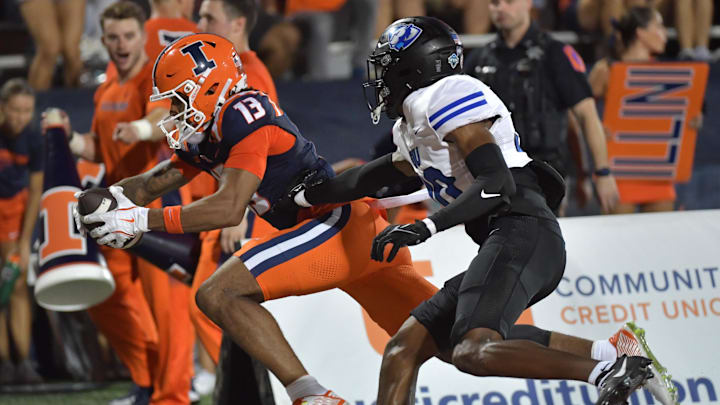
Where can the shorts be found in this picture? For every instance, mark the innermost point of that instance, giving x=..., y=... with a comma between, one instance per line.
x=521, y=262
x=332, y=250
x=12, y=211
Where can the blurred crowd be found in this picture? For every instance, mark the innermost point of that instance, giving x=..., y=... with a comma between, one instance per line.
x=293, y=38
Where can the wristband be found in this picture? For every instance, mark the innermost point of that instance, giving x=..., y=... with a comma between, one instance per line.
x=301, y=200
x=430, y=226
x=143, y=128
x=171, y=217
x=76, y=143
x=605, y=171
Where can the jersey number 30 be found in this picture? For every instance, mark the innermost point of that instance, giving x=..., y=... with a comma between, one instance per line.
x=440, y=186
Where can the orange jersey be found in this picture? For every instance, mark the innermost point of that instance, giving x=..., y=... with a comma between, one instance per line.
x=258, y=78
x=117, y=102
x=251, y=133
x=294, y=6
x=160, y=32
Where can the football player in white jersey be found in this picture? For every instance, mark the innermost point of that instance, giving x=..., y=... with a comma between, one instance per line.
x=456, y=135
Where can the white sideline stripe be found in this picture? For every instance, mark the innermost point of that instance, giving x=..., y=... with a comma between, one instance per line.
x=280, y=248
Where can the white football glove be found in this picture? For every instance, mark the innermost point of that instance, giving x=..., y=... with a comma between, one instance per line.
x=76, y=215
x=121, y=224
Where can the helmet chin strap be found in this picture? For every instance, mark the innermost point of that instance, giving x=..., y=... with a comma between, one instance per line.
x=376, y=113
x=221, y=99
x=196, y=138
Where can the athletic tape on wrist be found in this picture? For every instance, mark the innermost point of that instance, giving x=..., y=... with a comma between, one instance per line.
x=77, y=143
x=143, y=128
x=430, y=226
x=301, y=200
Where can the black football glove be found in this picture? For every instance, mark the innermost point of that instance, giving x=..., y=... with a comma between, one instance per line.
x=399, y=236
x=287, y=201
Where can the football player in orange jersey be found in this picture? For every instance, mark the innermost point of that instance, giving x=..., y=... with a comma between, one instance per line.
x=140, y=319
x=246, y=141
x=232, y=19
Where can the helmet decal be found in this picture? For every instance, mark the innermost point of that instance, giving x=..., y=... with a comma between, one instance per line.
x=197, y=73
x=198, y=56
x=412, y=53
x=453, y=60
x=402, y=36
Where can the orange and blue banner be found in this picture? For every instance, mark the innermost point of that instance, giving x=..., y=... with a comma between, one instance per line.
x=649, y=109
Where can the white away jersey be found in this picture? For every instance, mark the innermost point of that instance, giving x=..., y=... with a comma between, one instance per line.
x=434, y=111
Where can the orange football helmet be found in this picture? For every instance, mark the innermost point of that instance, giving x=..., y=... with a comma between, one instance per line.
x=199, y=71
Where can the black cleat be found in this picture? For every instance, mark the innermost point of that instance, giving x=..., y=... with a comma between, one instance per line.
x=622, y=378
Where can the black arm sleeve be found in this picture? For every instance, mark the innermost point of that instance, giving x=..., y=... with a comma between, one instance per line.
x=357, y=182
x=489, y=193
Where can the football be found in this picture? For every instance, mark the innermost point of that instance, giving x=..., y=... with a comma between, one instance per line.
x=98, y=201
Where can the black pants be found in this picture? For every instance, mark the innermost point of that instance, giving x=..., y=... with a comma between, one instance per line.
x=521, y=262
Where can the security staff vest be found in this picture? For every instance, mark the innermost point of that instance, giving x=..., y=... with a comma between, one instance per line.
x=526, y=89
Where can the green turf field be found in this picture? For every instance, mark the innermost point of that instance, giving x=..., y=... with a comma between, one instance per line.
x=95, y=397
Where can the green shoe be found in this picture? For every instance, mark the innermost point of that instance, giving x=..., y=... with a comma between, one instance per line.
x=630, y=340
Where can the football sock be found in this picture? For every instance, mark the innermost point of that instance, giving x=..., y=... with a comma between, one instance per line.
x=603, y=350
x=600, y=369
x=304, y=386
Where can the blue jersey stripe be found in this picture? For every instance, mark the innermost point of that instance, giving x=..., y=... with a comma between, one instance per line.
x=455, y=113
x=455, y=104
x=300, y=249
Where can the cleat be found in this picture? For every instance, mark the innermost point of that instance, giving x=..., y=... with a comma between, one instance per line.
x=622, y=378
x=630, y=341
x=328, y=398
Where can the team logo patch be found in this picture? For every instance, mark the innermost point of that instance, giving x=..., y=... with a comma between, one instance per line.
x=453, y=60
x=402, y=36
x=198, y=56
x=575, y=60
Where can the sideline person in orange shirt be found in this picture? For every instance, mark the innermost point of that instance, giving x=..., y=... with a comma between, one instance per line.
x=169, y=20
x=145, y=320
x=234, y=20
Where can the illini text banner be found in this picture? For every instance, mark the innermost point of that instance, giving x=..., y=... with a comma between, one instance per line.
x=648, y=113
x=659, y=270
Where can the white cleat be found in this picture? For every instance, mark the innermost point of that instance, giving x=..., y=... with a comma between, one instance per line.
x=630, y=341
